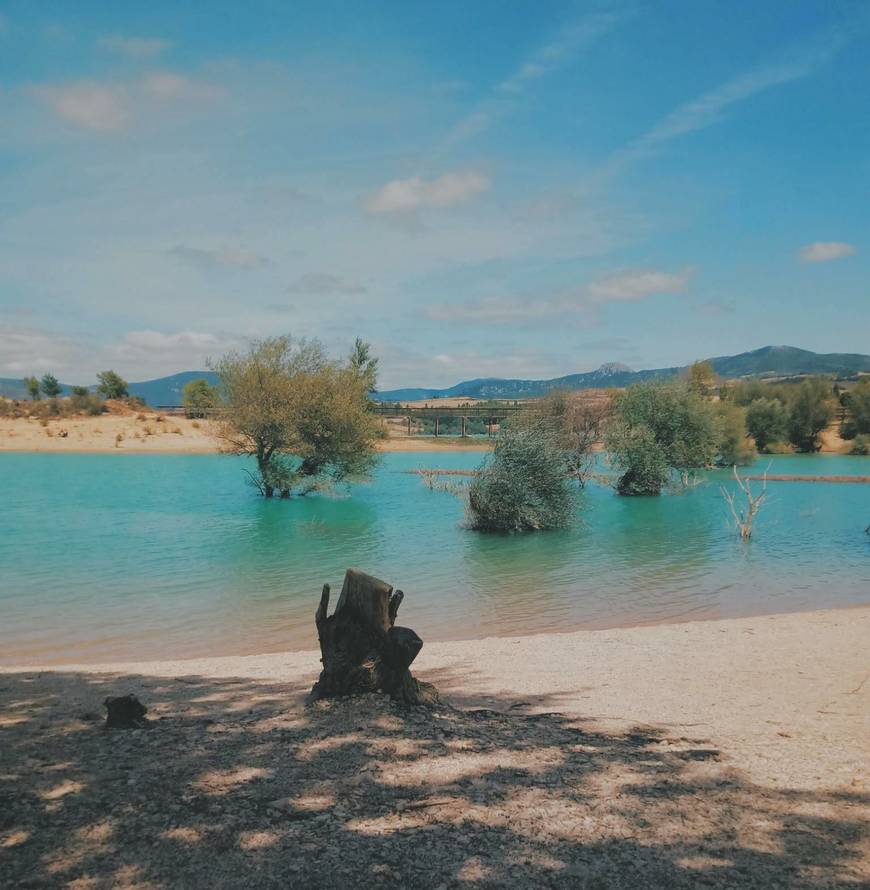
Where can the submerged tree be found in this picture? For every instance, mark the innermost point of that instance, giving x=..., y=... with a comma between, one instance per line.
x=576, y=422
x=658, y=429
x=744, y=517
x=303, y=418
x=524, y=485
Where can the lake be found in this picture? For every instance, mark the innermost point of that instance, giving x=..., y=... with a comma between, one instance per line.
x=106, y=557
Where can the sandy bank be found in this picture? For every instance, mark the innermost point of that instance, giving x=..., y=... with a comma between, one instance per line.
x=143, y=433
x=790, y=693
x=723, y=754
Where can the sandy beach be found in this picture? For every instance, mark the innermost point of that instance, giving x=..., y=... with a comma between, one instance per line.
x=148, y=432
x=725, y=753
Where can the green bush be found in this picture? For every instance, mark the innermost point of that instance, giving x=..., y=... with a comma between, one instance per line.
x=523, y=485
x=111, y=385
x=659, y=425
x=778, y=448
x=861, y=444
x=766, y=421
x=199, y=397
x=734, y=448
x=811, y=410
x=857, y=402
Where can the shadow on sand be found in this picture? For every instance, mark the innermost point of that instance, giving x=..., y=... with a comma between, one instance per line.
x=235, y=784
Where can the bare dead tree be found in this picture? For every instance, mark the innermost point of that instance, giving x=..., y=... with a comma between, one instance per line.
x=745, y=517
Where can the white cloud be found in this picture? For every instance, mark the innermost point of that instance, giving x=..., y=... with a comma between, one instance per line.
x=108, y=106
x=403, y=196
x=578, y=303
x=231, y=257
x=24, y=351
x=134, y=47
x=324, y=283
x=165, y=85
x=637, y=284
x=823, y=251
x=88, y=104
x=154, y=353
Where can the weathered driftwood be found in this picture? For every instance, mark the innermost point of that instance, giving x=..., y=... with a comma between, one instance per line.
x=361, y=647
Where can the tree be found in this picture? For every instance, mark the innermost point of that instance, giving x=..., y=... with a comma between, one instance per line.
x=303, y=418
x=734, y=447
x=812, y=410
x=111, y=385
x=577, y=422
x=745, y=518
x=767, y=422
x=363, y=363
x=524, y=485
x=50, y=386
x=659, y=428
x=32, y=386
x=199, y=397
x=701, y=378
x=857, y=403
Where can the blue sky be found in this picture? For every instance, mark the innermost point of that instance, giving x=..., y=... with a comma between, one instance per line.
x=488, y=188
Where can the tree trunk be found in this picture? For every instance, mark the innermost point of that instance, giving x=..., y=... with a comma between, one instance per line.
x=361, y=648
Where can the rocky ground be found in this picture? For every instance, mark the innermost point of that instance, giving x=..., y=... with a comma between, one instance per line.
x=234, y=784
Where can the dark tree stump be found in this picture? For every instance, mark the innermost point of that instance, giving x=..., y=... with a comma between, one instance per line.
x=125, y=712
x=362, y=649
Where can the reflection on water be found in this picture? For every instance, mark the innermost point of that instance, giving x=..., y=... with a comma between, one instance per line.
x=105, y=556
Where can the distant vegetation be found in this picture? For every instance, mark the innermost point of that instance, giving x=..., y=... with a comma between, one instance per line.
x=786, y=414
x=199, y=397
x=111, y=385
x=304, y=418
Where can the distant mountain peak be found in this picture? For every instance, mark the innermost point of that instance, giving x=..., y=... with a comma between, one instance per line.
x=614, y=368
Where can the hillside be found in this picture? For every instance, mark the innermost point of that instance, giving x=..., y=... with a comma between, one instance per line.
x=769, y=361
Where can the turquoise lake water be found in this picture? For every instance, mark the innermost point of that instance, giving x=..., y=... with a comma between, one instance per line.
x=138, y=556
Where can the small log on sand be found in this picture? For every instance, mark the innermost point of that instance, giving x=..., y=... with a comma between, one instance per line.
x=361, y=647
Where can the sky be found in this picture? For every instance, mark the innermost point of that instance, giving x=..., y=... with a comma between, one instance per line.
x=522, y=189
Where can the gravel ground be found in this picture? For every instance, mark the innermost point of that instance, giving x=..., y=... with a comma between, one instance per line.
x=233, y=784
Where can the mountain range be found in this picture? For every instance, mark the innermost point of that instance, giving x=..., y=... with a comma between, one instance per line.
x=769, y=361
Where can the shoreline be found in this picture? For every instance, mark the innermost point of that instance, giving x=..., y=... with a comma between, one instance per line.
x=806, y=671
x=313, y=655
x=734, y=750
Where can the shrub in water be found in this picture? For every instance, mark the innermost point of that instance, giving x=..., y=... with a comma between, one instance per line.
x=861, y=444
x=523, y=486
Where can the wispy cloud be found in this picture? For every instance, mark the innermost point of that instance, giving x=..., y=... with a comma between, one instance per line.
x=25, y=351
x=88, y=104
x=568, y=42
x=709, y=108
x=232, y=257
x=110, y=106
x=138, y=48
x=325, y=284
x=825, y=251
x=406, y=196
x=579, y=303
